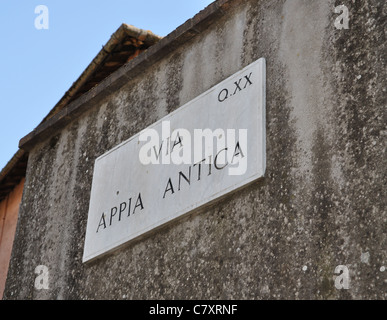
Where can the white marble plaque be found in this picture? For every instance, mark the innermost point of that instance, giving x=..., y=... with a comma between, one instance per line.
x=208, y=147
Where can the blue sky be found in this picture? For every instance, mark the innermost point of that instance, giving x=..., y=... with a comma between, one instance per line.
x=39, y=66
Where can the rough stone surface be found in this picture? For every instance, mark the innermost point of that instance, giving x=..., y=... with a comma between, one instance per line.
x=321, y=204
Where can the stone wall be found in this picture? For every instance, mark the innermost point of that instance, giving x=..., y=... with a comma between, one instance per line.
x=321, y=203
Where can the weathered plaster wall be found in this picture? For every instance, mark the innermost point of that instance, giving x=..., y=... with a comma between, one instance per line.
x=321, y=204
